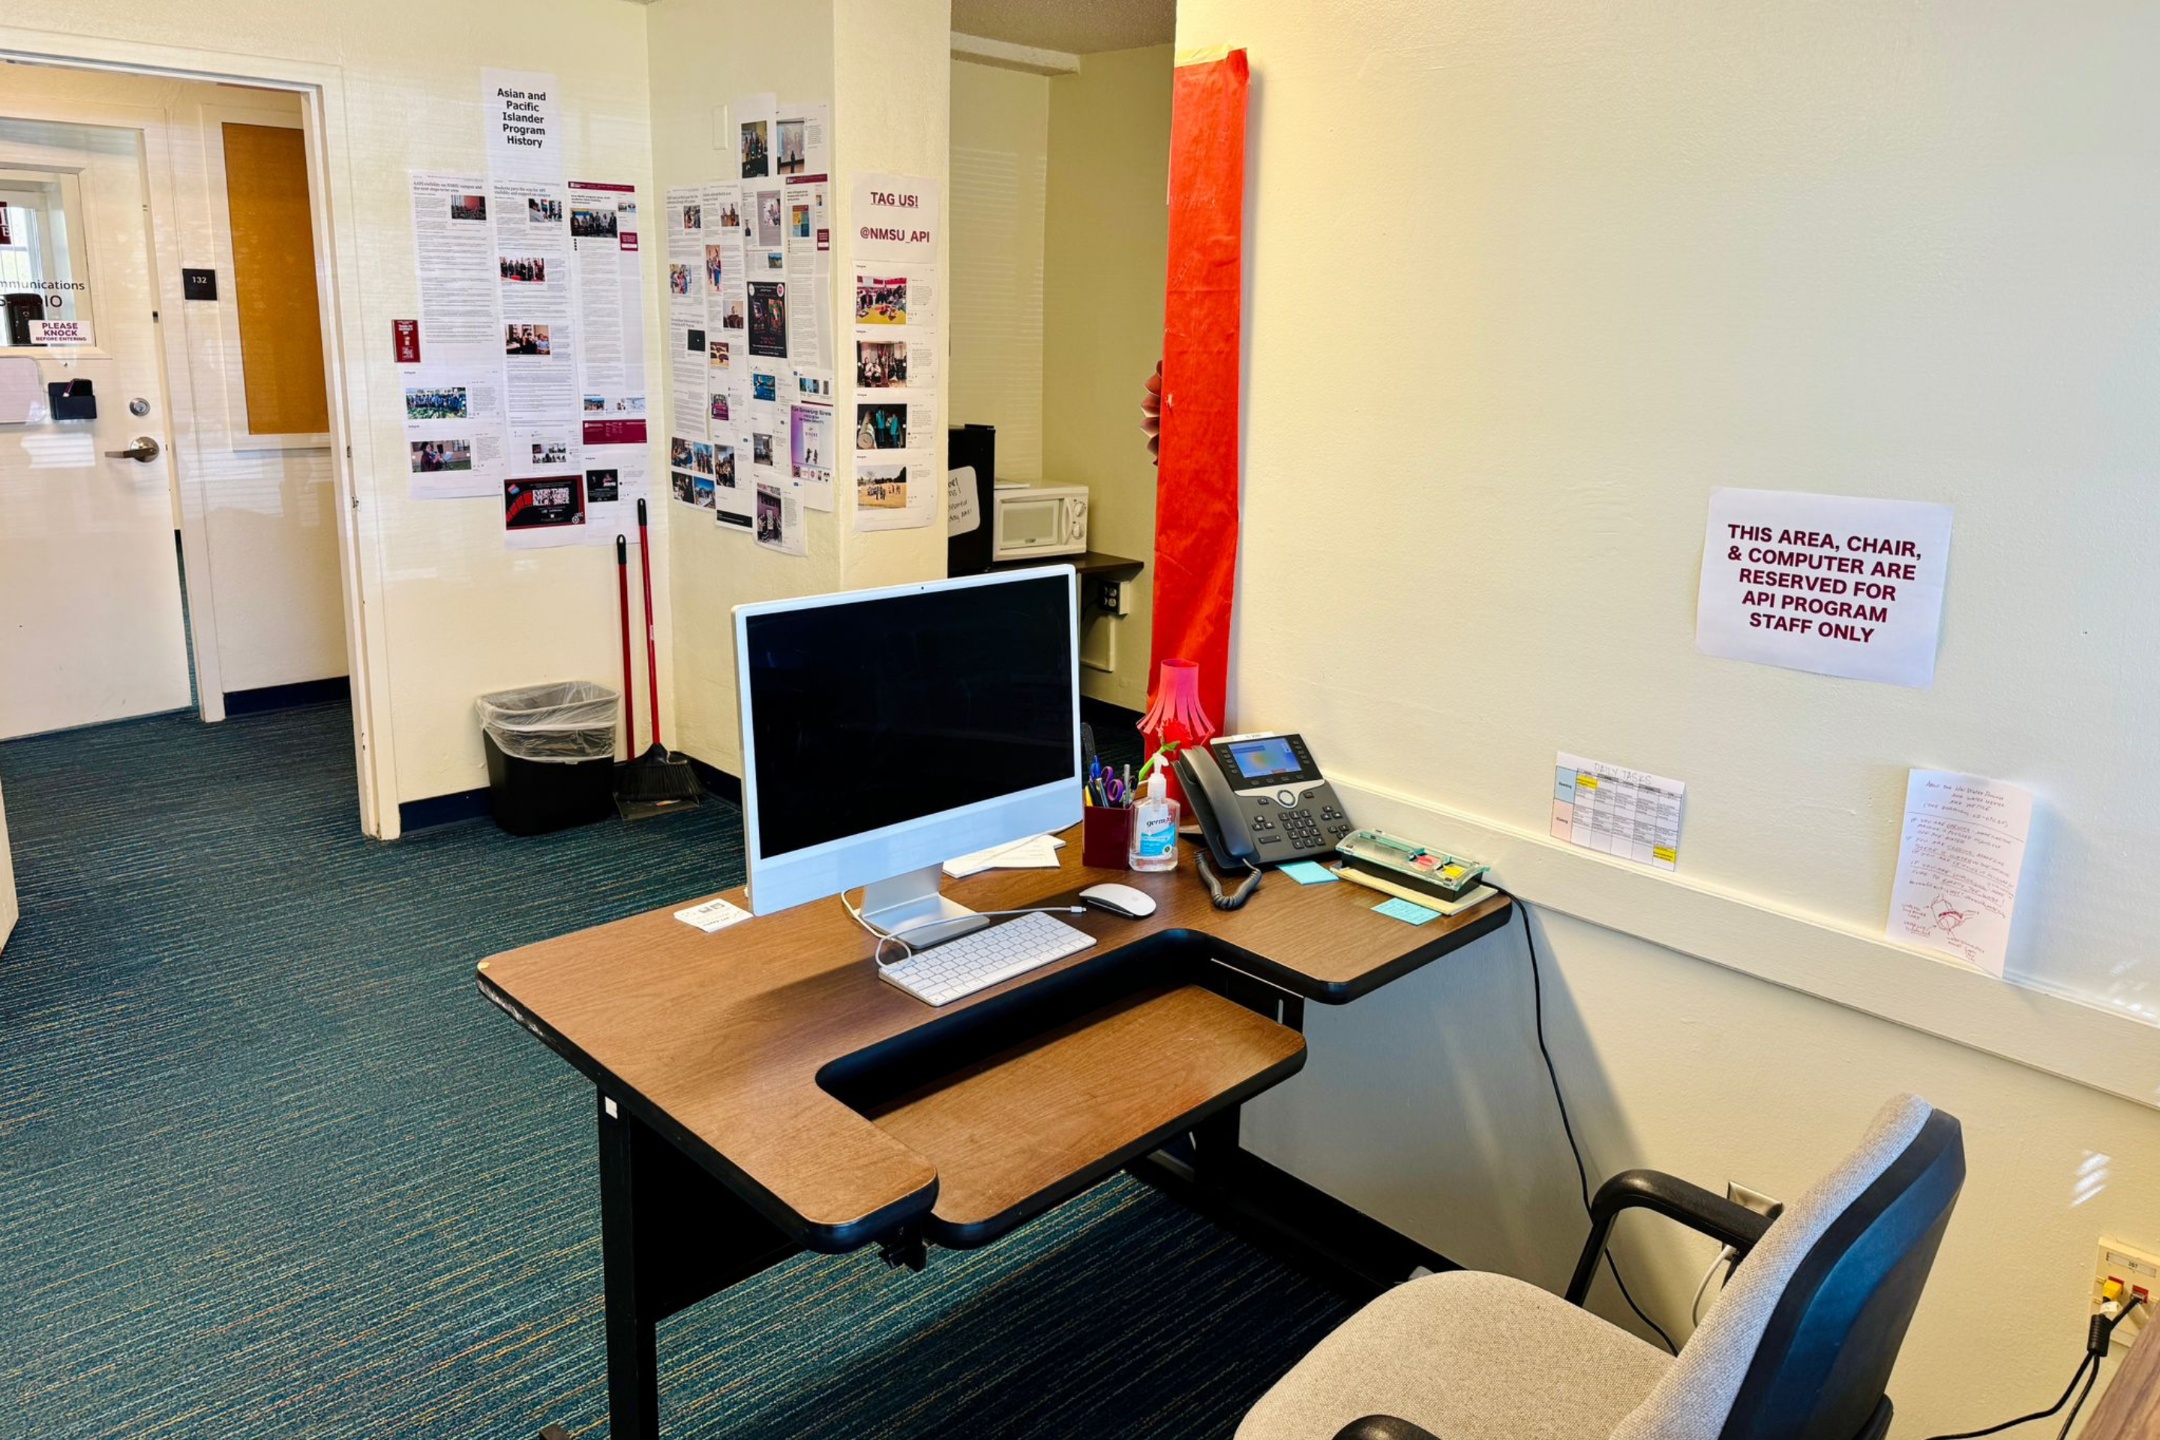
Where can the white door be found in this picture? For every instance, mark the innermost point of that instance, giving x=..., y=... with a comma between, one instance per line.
x=90, y=610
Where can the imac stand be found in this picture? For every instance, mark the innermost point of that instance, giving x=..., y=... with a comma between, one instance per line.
x=908, y=907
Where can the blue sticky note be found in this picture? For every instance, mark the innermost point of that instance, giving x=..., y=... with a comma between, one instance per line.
x=1309, y=872
x=1405, y=911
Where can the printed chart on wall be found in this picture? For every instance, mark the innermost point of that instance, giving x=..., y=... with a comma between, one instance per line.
x=1834, y=584
x=896, y=291
x=1627, y=814
x=1959, y=861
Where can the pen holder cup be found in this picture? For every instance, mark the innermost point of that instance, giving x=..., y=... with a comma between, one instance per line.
x=1105, y=836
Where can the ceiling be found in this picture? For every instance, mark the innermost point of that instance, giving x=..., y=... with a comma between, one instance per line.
x=1079, y=27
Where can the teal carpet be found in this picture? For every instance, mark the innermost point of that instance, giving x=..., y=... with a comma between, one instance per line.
x=270, y=1166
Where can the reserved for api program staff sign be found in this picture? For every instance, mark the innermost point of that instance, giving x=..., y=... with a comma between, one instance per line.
x=1833, y=584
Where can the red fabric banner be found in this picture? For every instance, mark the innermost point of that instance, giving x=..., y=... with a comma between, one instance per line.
x=1196, y=498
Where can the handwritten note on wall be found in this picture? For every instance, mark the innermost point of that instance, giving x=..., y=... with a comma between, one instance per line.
x=1958, y=866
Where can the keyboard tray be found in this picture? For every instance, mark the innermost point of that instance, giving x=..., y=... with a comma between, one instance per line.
x=1013, y=1133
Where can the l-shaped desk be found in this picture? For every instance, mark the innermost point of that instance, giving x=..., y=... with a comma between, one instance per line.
x=763, y=1092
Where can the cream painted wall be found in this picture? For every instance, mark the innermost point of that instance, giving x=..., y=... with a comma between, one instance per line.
x=707, y=55
x=1000, y=162
x=1611, y=261
x=453, y=613
x=1105, y=258
x=263, y=584
x=882, y=64
x=892, y=113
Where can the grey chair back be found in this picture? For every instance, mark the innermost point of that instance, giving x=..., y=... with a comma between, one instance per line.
x=1800, y=1344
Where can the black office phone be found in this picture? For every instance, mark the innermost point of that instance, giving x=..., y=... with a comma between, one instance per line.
x=1260, y=798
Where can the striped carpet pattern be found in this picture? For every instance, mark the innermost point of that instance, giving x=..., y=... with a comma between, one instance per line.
x=269, y=1166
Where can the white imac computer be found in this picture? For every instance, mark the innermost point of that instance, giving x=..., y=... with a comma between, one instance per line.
x=886, y=731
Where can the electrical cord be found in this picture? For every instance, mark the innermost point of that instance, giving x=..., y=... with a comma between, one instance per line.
x=2099, y=1334
x=1582, y=1172
x=1726, y=1256
x=2084, y=1365
x=1214, y=883
x=908, y=951
x=2071, y=1418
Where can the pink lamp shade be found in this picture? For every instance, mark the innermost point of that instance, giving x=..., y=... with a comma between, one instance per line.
x=1175, y=715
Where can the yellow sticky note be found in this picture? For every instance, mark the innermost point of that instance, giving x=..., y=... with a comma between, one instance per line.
x=1666, y=853
x=1587, y=782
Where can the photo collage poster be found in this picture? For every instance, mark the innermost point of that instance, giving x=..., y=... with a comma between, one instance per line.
x=895, y=290
x=750, y=319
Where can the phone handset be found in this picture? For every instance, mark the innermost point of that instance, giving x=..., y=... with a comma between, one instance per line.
x=1215, y=807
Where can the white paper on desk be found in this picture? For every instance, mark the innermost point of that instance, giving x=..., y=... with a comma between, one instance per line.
x=1037, y=852
x=1958, y=866
x=713, y=915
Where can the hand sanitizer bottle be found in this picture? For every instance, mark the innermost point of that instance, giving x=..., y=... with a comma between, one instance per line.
x=1154, y=827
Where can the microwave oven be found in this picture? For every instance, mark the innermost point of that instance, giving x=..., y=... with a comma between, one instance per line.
x=1031, y=520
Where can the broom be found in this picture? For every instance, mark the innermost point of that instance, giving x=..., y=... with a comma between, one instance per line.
x=655, y=782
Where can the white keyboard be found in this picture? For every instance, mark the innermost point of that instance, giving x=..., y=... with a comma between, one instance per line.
x=959, y=968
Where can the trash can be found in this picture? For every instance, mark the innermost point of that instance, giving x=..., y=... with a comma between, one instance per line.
x=550, y=755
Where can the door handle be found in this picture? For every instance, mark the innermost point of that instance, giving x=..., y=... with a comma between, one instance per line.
x=143, y=451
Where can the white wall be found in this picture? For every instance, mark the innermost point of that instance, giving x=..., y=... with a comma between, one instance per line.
x=882, y=64
x=450, y=612
x=263, y=584
x=1105, y=260
x=1000, y=160
x=1523, y=286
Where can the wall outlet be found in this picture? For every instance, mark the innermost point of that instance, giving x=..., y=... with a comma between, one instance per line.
x=1098, y=644
x=2139, y=1271
x=1110, y=597
x=1754, y=1200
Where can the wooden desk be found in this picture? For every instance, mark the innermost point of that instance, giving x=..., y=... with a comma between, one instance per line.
x=1091, y=564
x=2130, y=1406
x=763, y=1091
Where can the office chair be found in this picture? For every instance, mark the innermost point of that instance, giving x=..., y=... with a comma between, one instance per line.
x=1797, y=1347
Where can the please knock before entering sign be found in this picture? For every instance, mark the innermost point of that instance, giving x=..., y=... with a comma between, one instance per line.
x=1834, y=584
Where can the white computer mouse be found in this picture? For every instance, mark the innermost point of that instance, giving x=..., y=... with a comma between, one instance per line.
x=1120, y=900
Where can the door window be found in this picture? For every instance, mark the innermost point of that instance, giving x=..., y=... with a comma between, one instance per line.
x=44, y=273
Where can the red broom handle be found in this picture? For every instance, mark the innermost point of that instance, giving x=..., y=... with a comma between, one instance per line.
x=622, y=597
x=652, y=648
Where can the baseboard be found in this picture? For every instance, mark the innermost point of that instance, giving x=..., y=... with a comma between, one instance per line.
x=473, y=804
x=717, y=782
x=286, y=697
x=1337, y=1244
x=442, y=810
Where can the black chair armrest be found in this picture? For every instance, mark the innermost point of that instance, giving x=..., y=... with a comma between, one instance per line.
x=1383, y=1427
x=1672, y=1197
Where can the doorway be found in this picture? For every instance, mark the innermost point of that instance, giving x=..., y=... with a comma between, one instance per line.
x=179, y=224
